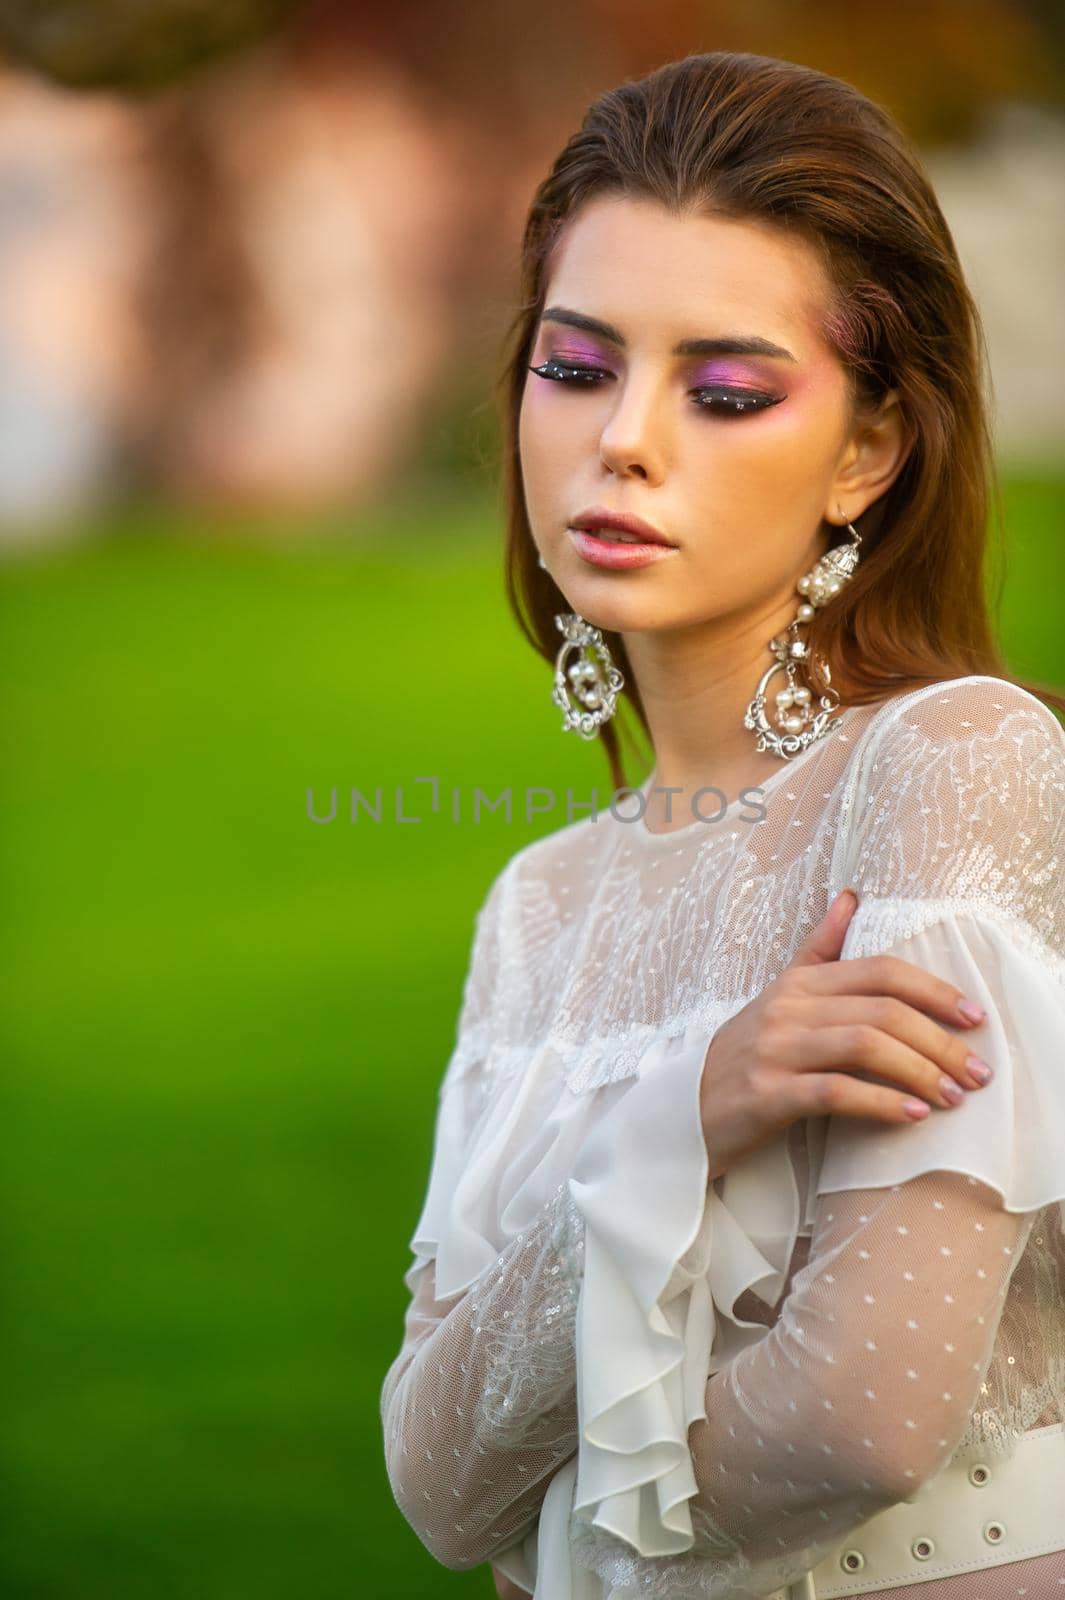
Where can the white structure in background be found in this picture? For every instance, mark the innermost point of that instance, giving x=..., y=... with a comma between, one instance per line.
x=74, y=230
x=351, y=202
x=1004, y=198
x=352, y=205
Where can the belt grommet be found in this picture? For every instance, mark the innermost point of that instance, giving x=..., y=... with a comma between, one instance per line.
x=852, y=1561
x=979, y=1473
x=922, y=1548
x=994, y=1532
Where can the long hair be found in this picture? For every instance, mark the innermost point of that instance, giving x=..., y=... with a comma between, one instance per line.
x=751, y=138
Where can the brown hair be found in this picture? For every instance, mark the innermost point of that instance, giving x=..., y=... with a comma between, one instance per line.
x=749, y=137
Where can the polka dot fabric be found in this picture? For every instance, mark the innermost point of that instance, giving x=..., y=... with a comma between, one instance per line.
x=858, y=1394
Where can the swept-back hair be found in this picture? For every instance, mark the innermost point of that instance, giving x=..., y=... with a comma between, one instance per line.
x=748, y=137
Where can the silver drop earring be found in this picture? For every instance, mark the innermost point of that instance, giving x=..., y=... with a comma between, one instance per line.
x=798, y=725
x=594, y=679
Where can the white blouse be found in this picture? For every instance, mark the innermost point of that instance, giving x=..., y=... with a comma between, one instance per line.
x=618, y=1379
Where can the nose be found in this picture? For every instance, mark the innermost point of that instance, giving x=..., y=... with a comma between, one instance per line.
x=633, y=441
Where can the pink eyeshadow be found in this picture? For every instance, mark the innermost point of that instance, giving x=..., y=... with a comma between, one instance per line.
x=723, y=372
x=575, y=351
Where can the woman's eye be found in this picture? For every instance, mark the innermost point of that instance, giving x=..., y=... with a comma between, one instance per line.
x=733, y=402
x=723, y=402
x=566, y=372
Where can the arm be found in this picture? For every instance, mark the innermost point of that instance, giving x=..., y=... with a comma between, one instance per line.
x=859, y=1393
x=479, y=1408
x=479, y=1405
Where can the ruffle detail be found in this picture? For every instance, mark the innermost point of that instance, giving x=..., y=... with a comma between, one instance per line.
x=884, y=919
x=489, y=1181
x=666, y=1258
x=1009, y=1134
x=645, y=1321
x=509, y=1125
x=595, y=1060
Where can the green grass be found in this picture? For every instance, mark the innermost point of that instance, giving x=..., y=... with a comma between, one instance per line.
x=224, y=1024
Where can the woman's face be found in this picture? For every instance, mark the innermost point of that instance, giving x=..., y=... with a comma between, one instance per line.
x=733, y=455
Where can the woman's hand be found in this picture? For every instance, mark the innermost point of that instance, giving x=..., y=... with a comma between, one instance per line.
x=770, y=1064
x=507, y=1590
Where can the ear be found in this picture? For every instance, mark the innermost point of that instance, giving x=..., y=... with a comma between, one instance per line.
x=872, y=459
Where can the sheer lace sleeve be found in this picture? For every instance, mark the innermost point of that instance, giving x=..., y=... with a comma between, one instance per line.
x=957, y=849
x=479, y=1408
x=958, y=806
x=858, y=1394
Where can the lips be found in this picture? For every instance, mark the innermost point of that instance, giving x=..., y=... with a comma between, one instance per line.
x=619, y=527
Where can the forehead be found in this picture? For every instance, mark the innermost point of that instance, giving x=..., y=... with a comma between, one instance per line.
x=660, y=277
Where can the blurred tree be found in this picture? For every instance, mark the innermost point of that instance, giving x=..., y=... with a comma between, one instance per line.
x=124, y=44
x=936, y=64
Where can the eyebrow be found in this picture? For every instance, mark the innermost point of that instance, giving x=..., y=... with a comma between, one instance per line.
x=732, y=345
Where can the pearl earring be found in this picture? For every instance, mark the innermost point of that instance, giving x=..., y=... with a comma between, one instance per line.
x=799, y=726
x=595, y=679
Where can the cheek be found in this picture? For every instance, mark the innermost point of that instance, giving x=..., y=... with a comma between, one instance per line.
x=540, y=408
x=812, y=418
x=759, y=487
x=550, y=435
x=787, y=452
x=533, y=420
x=542, y=451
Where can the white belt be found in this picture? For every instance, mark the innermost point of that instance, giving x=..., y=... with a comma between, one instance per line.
x=978, y=1512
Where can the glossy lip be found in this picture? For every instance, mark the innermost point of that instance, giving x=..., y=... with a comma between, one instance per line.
x=616, y=553
x=613, y=554
x=600, y=517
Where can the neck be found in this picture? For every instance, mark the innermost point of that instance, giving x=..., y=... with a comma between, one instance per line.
x=696, y=684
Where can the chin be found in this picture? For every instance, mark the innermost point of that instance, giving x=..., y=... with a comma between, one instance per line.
x=613, y=615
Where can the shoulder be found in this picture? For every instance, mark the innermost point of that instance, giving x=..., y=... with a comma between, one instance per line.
x=964, y=707
x=979, y=719
x=573, y=847
x=960, y=783
x=547, y=859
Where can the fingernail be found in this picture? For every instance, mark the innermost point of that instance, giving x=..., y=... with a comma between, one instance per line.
x=915, y=1108
x=846, y=900
x=951, y=1091
x=978, y=1068
x=971, y=1010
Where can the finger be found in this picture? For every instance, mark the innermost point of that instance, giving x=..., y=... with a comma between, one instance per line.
x=825, y=941
x=890, y=975
x=837, y=1094
x=948, y=1051
x=859, y=1046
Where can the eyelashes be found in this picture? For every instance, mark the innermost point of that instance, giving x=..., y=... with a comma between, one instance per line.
x=722, y=400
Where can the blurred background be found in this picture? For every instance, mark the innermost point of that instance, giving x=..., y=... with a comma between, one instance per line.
x=256, y=258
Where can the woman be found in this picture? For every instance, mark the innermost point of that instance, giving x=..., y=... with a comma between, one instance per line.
x=740, y=1270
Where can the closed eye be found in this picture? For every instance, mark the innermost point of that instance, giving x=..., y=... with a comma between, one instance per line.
x=730, y=402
